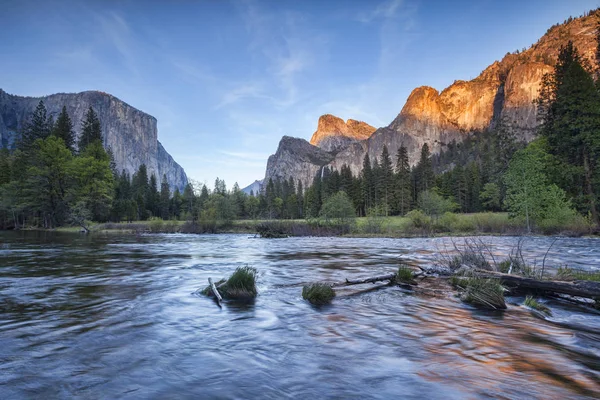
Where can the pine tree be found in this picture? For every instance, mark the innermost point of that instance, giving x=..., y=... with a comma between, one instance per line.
x=165, y=197
x=570, y=107
x=425, y=177
x=367, y=183
x=300, y=199
x=90, y=131
x=387, y=179
x=403, y=185
x=64, y=129
x=153, y=197
x=36, y=128
x=139, y=189
x=95, y=181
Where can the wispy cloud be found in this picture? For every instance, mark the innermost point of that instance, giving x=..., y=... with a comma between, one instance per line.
x=115, y=31
x=244, y=155
x=285, y=43
x=385, y=10
x=243, y=91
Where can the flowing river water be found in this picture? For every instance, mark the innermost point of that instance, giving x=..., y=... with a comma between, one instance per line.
x=115, y=316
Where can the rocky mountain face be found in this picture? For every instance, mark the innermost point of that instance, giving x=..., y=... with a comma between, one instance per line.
x=333, y=134
x=298, y=159
x=253, y=188
x=129, y=132
x=505, y=91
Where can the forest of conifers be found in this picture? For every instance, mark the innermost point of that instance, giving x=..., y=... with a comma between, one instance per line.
x=50, y=180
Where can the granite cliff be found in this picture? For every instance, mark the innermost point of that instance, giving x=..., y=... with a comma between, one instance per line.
x=504, y=91
x=333, y=133
x=129, y=132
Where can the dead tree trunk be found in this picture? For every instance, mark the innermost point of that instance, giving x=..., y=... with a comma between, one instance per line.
x=218, y=297
x=388, y=277
x=585, y=289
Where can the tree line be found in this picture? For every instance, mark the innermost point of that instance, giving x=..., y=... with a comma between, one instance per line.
x=51, y=179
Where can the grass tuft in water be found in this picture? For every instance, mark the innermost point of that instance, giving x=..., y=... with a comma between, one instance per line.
x=483, y=292
x=404, y=274
x=532, y=303
x=318, y=293
x=241, y=285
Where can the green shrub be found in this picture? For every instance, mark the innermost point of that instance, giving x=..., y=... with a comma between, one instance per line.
x=338, y=208
x=155, y=224
x=318, y=293
x=419, y=219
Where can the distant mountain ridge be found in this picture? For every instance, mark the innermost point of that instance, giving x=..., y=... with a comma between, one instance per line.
x=505, y=90
x=253, y=188
x=130, y=133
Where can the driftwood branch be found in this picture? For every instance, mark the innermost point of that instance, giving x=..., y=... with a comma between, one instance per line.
x=586, y=289
x=215, y=291
x=374, y=279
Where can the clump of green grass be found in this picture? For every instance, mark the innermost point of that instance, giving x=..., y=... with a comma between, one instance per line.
x=404, y=274
x=566, y=273
x=532, y=303
x=241, y=285
x=483, y=292
x=318, y=293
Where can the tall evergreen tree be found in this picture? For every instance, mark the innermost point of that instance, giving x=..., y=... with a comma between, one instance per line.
x=165, y=196
x=387, y=180
x=153, y=197
x=140, y=188
x=368, y=183
x=36, y=128
x=425, y=177
x=570, y=106
x=403, y=185
x=91, y=130
x=64, y=129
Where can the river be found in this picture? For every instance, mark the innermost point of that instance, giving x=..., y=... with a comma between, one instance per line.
x=115, y=316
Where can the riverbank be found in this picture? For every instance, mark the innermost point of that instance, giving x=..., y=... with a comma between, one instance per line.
x=415, y=225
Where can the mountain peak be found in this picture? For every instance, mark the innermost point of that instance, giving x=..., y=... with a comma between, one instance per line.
x=332, y=132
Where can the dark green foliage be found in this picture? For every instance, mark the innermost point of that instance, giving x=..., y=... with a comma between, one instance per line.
x=64, y=129
x=37, y=128
x=46, y=184
x=165, y=194
x=318, y=294
x=402, y=193
x=91, y=130
x=570, y=107
x=338, y=208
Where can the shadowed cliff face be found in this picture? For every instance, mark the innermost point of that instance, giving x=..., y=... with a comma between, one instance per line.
x=505, y=90
x=333, y=133
x=129, y=132
x=298, y=159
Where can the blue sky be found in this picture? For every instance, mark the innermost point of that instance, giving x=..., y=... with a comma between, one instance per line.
x=227, y=79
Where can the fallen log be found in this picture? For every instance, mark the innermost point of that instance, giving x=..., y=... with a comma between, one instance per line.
x=348, y=282
x=585, y=289
x=218, y=297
